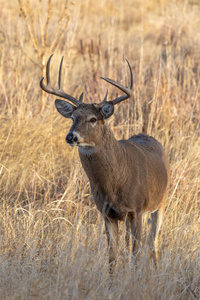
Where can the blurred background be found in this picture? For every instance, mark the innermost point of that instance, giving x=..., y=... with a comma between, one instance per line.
x=52, y=239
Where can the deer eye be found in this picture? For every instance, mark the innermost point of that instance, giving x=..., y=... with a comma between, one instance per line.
x=93, y=120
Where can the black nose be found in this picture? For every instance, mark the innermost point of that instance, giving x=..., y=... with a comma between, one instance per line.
x=70, y=138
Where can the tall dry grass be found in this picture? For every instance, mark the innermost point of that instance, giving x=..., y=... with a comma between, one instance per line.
x=52, y=238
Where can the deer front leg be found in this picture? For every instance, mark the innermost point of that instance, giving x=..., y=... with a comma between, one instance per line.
x=127, y=236
x=136, y=231
x=112, y=236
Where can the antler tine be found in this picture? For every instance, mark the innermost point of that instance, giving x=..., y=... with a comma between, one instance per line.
x=104, y=100
x=128, y=91
x=60, y=75
x=131, y=85
x=81, y=98
x=47, y=70
x=58, y=92
x=42, y=85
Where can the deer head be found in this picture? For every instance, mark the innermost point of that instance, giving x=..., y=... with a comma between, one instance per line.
x=88, y=119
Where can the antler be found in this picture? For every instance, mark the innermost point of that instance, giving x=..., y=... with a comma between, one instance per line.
x=58, y=92
x=128, y=91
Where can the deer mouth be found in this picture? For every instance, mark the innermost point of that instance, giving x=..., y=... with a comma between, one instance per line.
x=74, y=139
x=85, y=145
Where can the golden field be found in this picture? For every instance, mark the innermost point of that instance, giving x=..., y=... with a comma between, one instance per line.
x=52, y=239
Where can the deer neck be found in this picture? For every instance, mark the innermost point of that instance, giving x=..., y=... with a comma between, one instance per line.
x=100, y=161
x=105, y=145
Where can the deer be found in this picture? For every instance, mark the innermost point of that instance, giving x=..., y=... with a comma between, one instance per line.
x=128, y=177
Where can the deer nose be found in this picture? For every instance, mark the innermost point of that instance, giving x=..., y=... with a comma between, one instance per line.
x=71, y=138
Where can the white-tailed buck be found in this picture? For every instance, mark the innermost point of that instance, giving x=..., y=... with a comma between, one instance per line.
x=128, y=177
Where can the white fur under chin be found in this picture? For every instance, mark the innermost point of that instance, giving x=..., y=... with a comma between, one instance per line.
x=82, y=146
x=86, y=148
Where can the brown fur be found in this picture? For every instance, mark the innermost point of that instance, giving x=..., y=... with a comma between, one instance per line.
x=127, y=177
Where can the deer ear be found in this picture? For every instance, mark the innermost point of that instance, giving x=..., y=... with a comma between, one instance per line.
x=107, y=110
x=64, y=108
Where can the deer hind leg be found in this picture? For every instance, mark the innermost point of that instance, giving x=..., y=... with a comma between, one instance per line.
x=127, y=235
x=156, y=218
x=136, y=231
x=112, y=236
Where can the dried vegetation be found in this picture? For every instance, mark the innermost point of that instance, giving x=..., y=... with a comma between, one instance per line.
x=52, y=239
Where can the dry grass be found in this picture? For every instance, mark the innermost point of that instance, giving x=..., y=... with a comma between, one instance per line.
x=52, y=239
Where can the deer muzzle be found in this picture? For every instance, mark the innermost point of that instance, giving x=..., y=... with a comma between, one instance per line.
x=71, y=139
